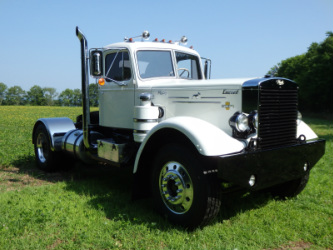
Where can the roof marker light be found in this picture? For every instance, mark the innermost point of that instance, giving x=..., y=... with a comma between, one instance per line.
x=170, y=41
x=156, y=40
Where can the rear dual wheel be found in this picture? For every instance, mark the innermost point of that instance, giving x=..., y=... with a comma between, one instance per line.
x=47, y=159
x=181, y=190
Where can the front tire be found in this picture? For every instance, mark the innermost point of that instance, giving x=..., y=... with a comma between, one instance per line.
x=181, y=190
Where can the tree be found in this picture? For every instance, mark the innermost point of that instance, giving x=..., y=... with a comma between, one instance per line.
x=3, y=88
x=93, y=94
x=313, y=72
x=35, y=96
x=77, y=97
x=66, y=97
x=15, y=96
x=50, y=94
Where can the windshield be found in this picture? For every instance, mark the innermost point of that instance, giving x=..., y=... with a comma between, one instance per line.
x=155, y=64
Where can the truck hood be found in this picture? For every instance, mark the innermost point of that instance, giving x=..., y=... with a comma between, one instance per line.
x=181, y=83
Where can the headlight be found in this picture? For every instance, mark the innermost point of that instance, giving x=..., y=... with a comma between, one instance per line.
x=240, y=122
x=253, y=120
x=244, y=125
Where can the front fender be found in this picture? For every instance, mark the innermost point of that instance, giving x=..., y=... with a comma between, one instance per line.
x=208, y=139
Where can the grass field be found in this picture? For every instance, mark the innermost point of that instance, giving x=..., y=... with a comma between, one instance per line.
x=91, y=207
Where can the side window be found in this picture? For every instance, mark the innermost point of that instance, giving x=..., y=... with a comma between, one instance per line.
x=188, y=66
x=118, y=66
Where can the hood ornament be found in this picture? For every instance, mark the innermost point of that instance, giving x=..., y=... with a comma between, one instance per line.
x=279, y=82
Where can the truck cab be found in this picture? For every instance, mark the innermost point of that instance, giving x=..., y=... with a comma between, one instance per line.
x=186, y=136
x=133, y=68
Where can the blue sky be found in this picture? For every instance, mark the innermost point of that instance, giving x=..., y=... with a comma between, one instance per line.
x=38, y=45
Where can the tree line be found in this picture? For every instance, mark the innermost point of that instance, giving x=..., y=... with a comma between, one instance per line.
x=38, y=96
x=313, y=72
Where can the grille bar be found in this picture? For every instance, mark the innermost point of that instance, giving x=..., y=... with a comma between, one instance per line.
x=277, y=116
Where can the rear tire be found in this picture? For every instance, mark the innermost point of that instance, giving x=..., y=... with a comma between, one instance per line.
x=181, y=191
x=46, y=159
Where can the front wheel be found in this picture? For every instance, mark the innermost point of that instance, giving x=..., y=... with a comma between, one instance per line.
x=181, y=190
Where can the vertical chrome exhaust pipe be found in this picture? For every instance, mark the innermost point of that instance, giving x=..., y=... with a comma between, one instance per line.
x=85, y=88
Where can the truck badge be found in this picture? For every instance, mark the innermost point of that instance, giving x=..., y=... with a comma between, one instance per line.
x=230, y=91
x=280, y=82
x=227, y=106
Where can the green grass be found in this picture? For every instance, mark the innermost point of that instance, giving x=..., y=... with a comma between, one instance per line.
x=91, y=207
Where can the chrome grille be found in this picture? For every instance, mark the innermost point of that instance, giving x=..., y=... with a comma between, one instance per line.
x=277, y=117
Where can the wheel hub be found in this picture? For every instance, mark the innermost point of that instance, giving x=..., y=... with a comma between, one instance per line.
x=176, y=187
x=42, y=148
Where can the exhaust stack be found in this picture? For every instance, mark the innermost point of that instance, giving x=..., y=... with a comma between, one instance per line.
x=85, y=88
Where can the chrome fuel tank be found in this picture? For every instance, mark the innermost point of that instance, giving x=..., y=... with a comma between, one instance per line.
x=73, y=144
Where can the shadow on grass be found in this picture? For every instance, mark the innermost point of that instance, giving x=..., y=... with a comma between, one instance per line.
x=110, y=190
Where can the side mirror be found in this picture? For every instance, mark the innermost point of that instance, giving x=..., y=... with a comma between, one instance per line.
x=207, y=67
x=96, y=63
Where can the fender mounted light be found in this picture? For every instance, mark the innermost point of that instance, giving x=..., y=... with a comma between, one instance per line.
x=101, y=81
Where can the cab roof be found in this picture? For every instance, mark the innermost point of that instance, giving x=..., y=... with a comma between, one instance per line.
x=136, y=45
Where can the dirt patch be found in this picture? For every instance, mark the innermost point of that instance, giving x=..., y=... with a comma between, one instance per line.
x=13, y=178
x=299, y=245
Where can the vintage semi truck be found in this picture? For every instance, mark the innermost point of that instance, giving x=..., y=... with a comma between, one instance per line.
x=186, y=136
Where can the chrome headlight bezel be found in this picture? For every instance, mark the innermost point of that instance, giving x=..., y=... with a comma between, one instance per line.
x=244, y=125
x=254, y=120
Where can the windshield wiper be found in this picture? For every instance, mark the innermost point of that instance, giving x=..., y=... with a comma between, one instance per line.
x=115, y=81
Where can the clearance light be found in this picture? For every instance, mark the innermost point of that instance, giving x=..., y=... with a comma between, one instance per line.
x=170, y=41
x=163, y=40
x=156, y=40
x=101, y=81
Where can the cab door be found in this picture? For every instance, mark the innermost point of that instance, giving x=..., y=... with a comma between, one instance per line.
x=117, y=95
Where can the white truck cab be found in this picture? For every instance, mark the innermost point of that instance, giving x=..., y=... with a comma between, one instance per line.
x=183, y=134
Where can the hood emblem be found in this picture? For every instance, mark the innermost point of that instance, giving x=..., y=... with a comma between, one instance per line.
x=196, y=96
x=280, y=82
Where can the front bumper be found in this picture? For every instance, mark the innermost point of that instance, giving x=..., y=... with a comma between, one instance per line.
x=270, y=167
